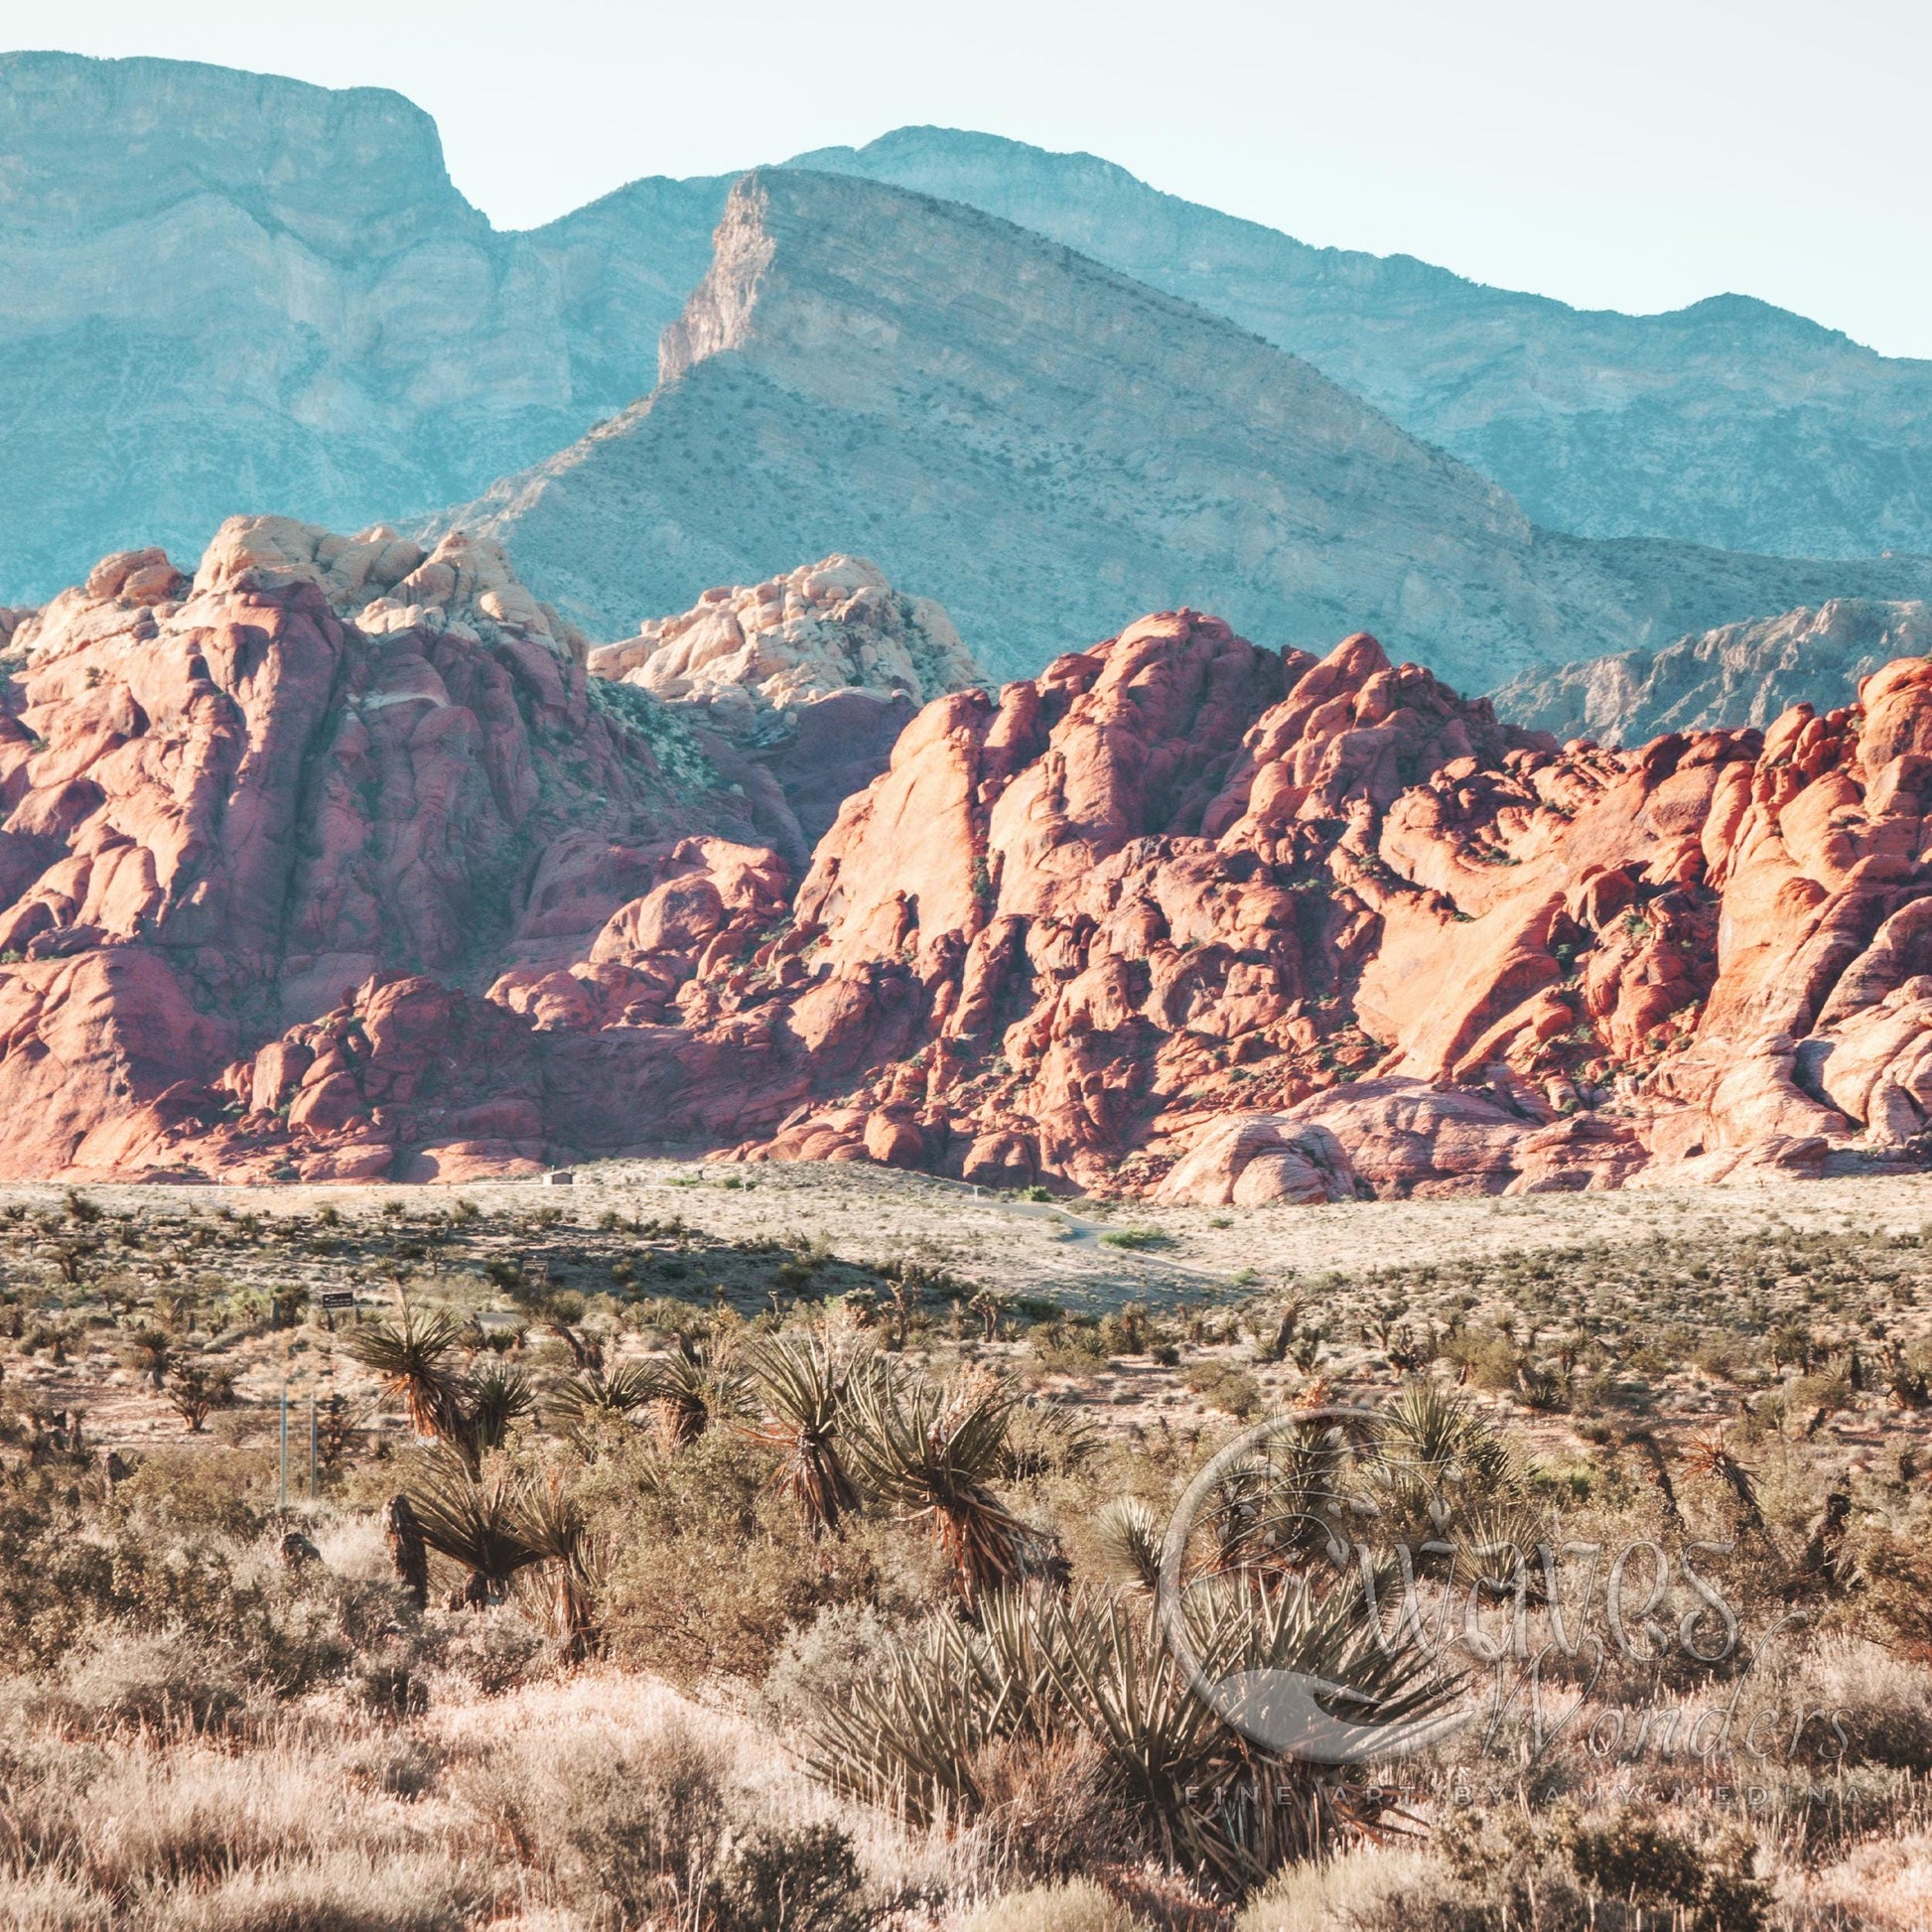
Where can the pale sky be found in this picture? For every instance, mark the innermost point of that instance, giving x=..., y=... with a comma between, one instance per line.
x=1635, y=156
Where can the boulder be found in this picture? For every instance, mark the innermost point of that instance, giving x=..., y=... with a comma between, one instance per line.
x=1258, y=1161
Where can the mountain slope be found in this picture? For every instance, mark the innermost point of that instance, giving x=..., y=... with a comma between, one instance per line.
x=1728, y=423
x=1738, y=674
x=1047, y=446
x=225, y=292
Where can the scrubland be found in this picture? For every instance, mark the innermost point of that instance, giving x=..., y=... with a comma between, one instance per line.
x=777, y=1550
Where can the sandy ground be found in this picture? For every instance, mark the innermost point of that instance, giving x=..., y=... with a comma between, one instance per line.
x=1022, y=1250
x=1027, y=1248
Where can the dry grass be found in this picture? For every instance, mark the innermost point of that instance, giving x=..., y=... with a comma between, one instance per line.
x=194, y=1733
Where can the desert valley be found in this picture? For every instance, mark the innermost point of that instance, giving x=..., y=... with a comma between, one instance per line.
x=911, y=1044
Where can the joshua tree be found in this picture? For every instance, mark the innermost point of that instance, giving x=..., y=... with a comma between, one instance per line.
x=198, y=1389
x=552, y=1526
x=150, y=1353
x=1710, y=1455
x=693, y=1389
x=476, y=1524
x=488, y=1406
x=407, y=1550
x=579, y=1400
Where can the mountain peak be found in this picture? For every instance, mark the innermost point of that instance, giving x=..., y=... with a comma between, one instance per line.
x=98, y=144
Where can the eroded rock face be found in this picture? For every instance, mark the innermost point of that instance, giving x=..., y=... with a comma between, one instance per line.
x=227, y=805
x=1181, y=916
x=750, y=655
x=1184, y=915
x=797, y=688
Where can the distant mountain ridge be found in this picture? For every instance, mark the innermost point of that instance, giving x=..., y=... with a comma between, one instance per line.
x=1736, y=674
x=1048, y=446
x=1730, y=422
x=225, y=293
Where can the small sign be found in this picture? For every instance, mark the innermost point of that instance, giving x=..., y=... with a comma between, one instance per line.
x=332, y=1299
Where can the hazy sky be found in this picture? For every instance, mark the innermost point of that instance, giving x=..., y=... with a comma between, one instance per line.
x=1635, y=156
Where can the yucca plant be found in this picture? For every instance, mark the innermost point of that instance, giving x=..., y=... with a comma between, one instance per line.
x=150, y=1353
x=1499, y=1549
x=1129, y=1534
x=1711, y=1455
x=1220, y=1804
x=1043, y=1438
x=552, y=1525
x=932, y=1450
x=478, y=1523
x=620, y=1391
x=693, y=1388
x=581, y=1404
x=412, y=1355
x=1277, y=1508
x=1192, y=1790
x=1434, y=1460
x=489, y=1405
x=803, y=1385
x=198, y=1389
x=908, y=1737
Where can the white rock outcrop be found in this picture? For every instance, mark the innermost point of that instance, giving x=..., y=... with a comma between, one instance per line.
x=751, y=654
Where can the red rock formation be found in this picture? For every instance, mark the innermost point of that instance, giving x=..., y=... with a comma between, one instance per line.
x=1166, y=919
x=297, y=897
x=227, y=807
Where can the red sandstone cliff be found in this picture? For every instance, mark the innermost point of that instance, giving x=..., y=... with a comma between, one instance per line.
x=1177, y=915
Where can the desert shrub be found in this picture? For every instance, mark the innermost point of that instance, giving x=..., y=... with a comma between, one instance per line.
x=821, y=1661
x=1079, y=1905
x=163, y=1683
x=801, y=1878
x=55, y=1582
x=340, y=1890
x=1894, y=1574
x=1068, y=1347
x=191, y=1492
x=1136, y=1239
x=1882, y=1706
x=711, y=1565
x=1364, y=1886
x=635, y=1822
x=1048, y=1806
x=1561, y=1872
x=1222, y=1386
x=389, y=1688
x=484, y=1655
